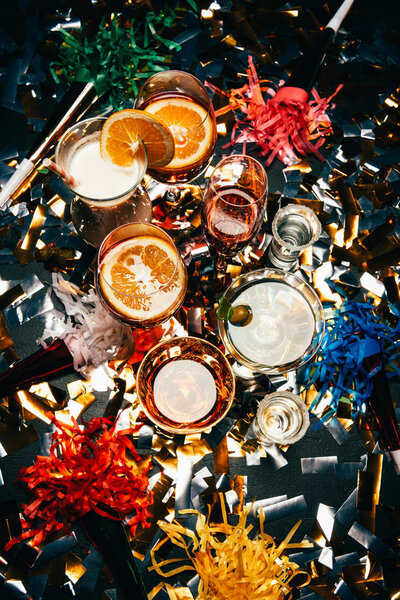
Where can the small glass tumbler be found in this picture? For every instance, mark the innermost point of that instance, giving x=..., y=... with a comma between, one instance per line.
x=185, y=385
x=282, y=418
x=294, y=228
x=107, y=196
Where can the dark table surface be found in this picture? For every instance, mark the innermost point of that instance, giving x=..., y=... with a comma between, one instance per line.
x=263, y=480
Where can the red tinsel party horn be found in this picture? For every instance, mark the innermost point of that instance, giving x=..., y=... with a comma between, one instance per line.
x=48, y=362
x=299, y=84
x=381, y=405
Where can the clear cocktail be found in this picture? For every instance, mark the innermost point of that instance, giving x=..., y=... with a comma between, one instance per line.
x=286, y=324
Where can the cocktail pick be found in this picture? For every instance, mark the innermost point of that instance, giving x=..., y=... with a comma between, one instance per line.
x=240, y=315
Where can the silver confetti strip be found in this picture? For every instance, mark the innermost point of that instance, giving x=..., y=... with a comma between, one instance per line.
x=326, y=557
x=284, y=509
x=275, y=455
x=267, y=502
x=346, y=513
x=30, y=285
x=27, y=310
x=53, y=550
x=318, y=464
x=183, y=483
x=348, y=470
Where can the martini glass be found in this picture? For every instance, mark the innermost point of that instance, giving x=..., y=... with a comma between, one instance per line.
x=286, y=323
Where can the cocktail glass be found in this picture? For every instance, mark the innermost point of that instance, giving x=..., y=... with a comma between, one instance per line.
x=233, y=205
x=185, y=385
x=141, y=278
x=106, y=196
x=285, y=325
x=182, y=103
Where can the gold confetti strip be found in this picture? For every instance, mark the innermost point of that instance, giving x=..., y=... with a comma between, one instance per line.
x=44, y=390
x=74, y=568
x=194, y=449
x=221, y=459
x=368, y=490
x=6, y=343
x=13, y=439
x=32, y=235
x=78, y=387
x=35, y=405
x=174, y=593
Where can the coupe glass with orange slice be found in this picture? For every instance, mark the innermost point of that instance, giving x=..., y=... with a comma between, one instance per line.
x=106, y=194
x=180, y=101
x=141, y=278
x=174, y=117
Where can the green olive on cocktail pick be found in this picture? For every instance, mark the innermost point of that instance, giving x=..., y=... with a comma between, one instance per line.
x=240, y=315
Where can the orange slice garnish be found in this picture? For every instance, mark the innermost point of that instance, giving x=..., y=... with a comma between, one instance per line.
x=118, y=138
x=191, y=126
x=135, y=270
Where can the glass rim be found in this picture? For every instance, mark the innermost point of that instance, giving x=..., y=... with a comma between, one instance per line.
x=104, y=253
x=110, y=199
x=317, y=338
x=210, y=107
x=251, y=202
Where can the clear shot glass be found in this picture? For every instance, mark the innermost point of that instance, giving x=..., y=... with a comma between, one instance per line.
x=294, y=228
x=281, y=418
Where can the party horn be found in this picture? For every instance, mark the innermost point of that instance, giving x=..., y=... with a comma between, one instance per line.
x=381, y=406
x=73, y=105
x=44, y=364
x=299, y=84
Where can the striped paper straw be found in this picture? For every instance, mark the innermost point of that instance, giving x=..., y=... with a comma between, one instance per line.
x=67, y=177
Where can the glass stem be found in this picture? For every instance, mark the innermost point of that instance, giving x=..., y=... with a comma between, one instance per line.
x=221, y=264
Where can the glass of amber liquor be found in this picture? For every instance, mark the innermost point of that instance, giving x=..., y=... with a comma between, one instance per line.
x=181, y=102
x=185, y=385
x=141, y=278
